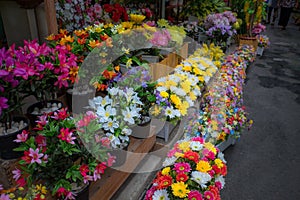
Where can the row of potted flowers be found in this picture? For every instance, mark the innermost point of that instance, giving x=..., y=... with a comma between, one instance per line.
x=195, y=167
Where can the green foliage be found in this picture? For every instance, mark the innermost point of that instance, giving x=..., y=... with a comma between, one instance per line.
x=201, y=9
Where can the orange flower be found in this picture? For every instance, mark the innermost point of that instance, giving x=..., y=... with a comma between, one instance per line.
x=99, y=86
x=81, y=33
x=73, y=71
x=117, y=68
x=81, y=41
x=108, y=74
x=104, y=37
x=109, y=42
x=66, y=39
x=164, y=182
x=191, y=155
x=51, y=37
x=94, y=43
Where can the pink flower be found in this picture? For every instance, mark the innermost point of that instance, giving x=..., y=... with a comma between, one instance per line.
x=35, y=156
x=70, y=195
x=161, y=38
x=4, y=197
x=208, y=154
x=105, y=141
x=84, y=169
x=22, y=137
x=195, y=195
x=66, y=135
x=182, y=167
x=17, y=174
x=61, y=114
x=199, y=139
x=209, y=195
x=97, y=8
x=110, y=160
x=1, y=187
x=87, y=178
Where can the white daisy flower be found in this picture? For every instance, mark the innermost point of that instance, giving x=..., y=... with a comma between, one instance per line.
x=169, y=161
x=114, y=141
x=129, y=116
x=221, y=180
x=196, y=145
x=126, y=131
x=160, y=195
x=113, y=91
x=200, y=178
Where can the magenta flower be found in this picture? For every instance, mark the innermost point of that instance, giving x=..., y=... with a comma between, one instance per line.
x=182, y=167
x=35, y=156
x=111, y=160
x=195, y=195
x=17, y=174
x=22, y=137
x=1, y=187
x=3, y=104
x=209, y=195
x=3, y=73
x=66, y=135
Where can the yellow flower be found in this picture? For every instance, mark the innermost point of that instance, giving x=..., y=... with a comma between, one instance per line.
x=175, y=99
x=222, y=136
x=170, y=83
x=203, y=166
x=180, y=189
x=210, y=147
x=166, y=171
x=218, y=63
x=183, y=108
x=127, y=25
x=129, y=62
x=178, y=155
x=137, y=18
x=126, y=51
x=162, y=23
x=186, y=86
x=184, y=146
x=11, y=195
x=156, y=110
x=164, y=94
x=187, y=68
x=192, y=96
x=149, y=28
x=50, y=37
x=88, y=28
x=219, y=163
x=108, y=25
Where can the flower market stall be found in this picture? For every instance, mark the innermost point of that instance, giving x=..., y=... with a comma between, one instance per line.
x=116, y=107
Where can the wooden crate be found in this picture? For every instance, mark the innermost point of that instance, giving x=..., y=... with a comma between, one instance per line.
x=113, y=179
x=6, y=176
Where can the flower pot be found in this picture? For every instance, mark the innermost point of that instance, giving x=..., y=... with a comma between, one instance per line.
x=227, y=143
x=142, y=130
x=82, y=193
x=166, y=50
x=260, y=51
x=121, y=156
x=40, y=108
x=7, y=143
x=77, y=101
x=165, y=130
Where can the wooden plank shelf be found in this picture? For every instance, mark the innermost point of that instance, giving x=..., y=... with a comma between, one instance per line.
x=113, y=179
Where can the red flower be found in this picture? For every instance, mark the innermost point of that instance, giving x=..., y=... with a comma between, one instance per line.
x=84, y=169
x=191, y=155
x=224, y=170
x=62, y=192
x=21, y=182
x=26, y=157
x=66, y=135
x=164, y=182
x=215, y=191
x=39, y=197
x=182, y=177
x=41, y=140
x=107, y=8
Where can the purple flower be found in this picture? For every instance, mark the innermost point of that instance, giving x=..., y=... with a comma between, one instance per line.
x=3, y=104
x=3, y=73
x=17, y=174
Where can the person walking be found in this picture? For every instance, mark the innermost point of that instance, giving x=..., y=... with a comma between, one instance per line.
x=286, y=8
x=272, y=7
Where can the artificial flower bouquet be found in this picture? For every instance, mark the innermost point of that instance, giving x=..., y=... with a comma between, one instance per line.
x=193, y=169
x=35, y=192
x=263, y=41
x=62, y=153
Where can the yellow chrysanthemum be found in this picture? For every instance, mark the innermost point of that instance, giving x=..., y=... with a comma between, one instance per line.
x=186, y=86
x=164, y=94
x=187, y=68
x=176, y=100
x=170, y=83
x=180, y=189
x=166, y=171
x=210, y=147
x=192, y=96
x=178, y=155
x=184, y=146
x=137, y=18
x=183, y=107
x=219, y=163
x=203, y=166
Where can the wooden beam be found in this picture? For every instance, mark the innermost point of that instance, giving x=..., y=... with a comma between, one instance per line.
x=51, y=16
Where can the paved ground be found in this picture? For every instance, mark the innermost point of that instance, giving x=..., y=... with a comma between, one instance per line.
x=265, y=162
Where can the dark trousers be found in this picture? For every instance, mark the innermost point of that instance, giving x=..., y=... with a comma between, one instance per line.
x=275, y=14
x=284, y=17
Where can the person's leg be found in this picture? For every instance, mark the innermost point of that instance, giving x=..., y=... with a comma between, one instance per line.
x=275, y=15
x=286, y=16
x=269, y=14
x=280, y=22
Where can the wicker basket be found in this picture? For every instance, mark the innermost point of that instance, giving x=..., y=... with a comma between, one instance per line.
x=245, y=40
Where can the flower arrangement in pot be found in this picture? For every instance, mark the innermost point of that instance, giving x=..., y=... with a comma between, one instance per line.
x=219, y=27
x=63, y=153
x=193, y=169
x=139, y=79
x=12, y=121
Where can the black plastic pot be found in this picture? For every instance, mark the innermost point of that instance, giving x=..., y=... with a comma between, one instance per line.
x=34, y=117
x=82, y=194
x=7, y=143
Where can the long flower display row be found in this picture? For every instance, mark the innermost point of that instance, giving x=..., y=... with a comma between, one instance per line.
x=195, y=167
